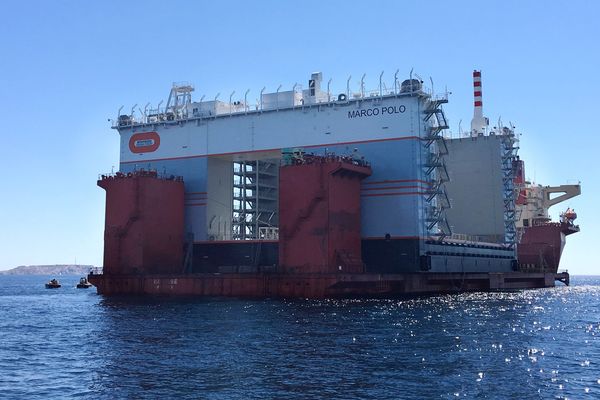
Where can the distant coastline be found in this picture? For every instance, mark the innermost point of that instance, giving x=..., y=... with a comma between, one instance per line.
x=58, y=269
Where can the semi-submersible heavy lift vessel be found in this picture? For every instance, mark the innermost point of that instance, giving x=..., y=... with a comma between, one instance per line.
x=314, y=194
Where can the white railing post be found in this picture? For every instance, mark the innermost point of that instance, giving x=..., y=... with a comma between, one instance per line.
x=146, y=112
x=348, y=88
x=230, y=96
x=278, y=97
x=294, y=94
x=362, y=86
x=132, y=111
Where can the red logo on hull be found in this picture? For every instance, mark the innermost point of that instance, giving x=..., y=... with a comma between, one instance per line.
x=144, y=142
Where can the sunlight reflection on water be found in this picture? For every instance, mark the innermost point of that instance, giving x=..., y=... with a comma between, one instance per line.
x=524, y=344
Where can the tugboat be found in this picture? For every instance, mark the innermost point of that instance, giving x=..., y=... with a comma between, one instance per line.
x=53, y=284
x=83, y=284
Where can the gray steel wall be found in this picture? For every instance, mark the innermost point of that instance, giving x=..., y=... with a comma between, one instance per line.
x=475, y=187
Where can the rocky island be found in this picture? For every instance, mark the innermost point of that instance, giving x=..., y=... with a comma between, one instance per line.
x=58, y=269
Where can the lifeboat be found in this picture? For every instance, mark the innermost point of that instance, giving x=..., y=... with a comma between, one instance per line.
x=568, y=217
x=570, y=214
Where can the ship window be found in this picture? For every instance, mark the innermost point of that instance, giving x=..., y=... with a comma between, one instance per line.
x=525, y=222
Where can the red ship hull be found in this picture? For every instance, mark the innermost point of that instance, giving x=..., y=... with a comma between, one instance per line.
x=541, y=246
x=320, y=253
x=319, y=285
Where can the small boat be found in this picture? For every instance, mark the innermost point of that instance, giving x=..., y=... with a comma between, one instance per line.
x=83, y=284
x=53, y=284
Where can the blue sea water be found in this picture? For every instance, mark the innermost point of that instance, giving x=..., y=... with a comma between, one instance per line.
x=73, y=343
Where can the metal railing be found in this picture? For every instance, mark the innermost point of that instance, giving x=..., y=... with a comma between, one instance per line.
x=96, y=271
x=140, y=173
x=158, y=115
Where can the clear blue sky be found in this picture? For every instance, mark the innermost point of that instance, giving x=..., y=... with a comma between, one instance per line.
x=67, y=66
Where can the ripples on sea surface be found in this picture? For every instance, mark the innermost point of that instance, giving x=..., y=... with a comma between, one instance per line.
x=73, y=343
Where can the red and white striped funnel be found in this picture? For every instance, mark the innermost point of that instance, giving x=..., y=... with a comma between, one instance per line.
x=479, y=122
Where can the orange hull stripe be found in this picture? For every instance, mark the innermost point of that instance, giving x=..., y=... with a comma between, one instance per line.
x=396, y=181
x=395, y=187
x=393, y=194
